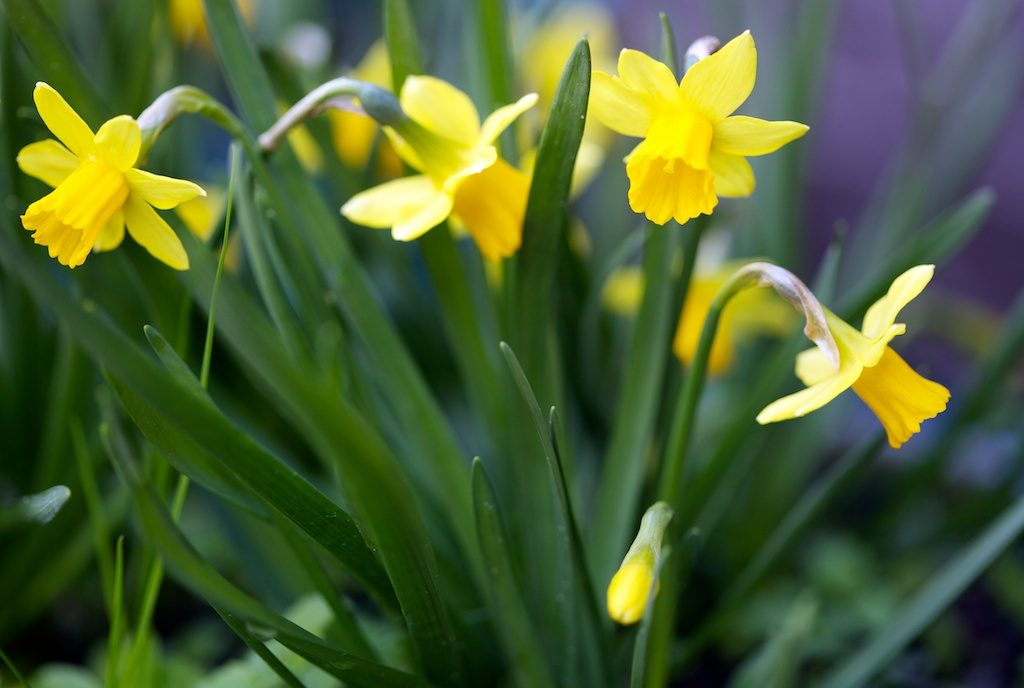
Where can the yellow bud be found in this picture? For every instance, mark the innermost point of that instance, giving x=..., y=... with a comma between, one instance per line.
x=630, y=588
x=636, y=580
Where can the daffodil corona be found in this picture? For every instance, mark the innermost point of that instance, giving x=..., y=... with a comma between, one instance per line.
x=899, y=396
x=693, y=150
x=462, y=175
x=97, y=189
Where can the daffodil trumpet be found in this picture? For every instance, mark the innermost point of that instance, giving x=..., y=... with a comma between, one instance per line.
x=636, y=581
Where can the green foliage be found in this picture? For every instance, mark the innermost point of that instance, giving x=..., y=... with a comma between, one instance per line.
x=322, y=437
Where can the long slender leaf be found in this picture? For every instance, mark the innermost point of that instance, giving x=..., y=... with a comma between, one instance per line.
x=54, y=58
x=403, y=42
x=526, y=657
x=275, y=483
x=937, y=594
x=546, y=221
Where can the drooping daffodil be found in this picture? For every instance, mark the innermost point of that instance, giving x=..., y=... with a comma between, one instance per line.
x=900, y=397
x=694, y=149
x=98, y=190
x=462, y=176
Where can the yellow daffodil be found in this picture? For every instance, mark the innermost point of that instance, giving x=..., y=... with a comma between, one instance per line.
x=693, y=150
x=462, y=174
x=543, y=60
x=188, y=20
x=635, y=581
x=899, y=396
x=97, y=188
x=354, y=135
x=749, y=313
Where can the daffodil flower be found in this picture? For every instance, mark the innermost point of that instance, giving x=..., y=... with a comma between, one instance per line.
x=188, y=20
x=694, y=150
x=97, y=188
x=899, y=396
x=462, y=174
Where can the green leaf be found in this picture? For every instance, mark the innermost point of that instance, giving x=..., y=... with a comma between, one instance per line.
x=941, y=239
x=438, y=468
x=59, y=66
x=199, y=576
x=403, y=43
x=265, y=475
x=546, y=220
x=937, y=594
x=34, y=509
x=113, y=660
x=526, y=659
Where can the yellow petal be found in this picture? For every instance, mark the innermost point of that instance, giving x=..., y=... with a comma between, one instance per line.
x=414, y=222
x=742, y=135
x=405, y=152
x=491, y=205
x=814, y=397
x=719, y=84
x=112, y=235
x=618, y=107
x=643, y=73
x=900, y=397
x=733, y=176
x=813, y=366
x=665, y=189
x=381, y=206
x=64, y=122
x=48, y=161
x=375, y=67
x=151, y=232
x=118, y=141
x=904, y=289
x=499, y=120
x=440, y=107
x=162, y=192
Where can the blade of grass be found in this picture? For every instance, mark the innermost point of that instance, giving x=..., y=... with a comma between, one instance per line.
x=112, y=665
x=938, y=593
x=403, y=42
x=526, y=659
x=97, y=516
x=261, y=650
x=265, y=475
x=59, y=66
x=546, y=220
x=438, y=468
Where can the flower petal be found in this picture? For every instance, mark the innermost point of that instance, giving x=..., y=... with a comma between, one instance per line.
x=162, y=192
x=112, y=235
x=499, y=120
x=698, y=302
x=440, y=107
x=814, y=397
x=742, y=135
x=118, y=141
x=733, y=176
x=414, y=222
x=381, y=206
x=154, y=234
x=719, y=84
x=899, y=396
x=48, y=161
x=643, y=73
x=491, y=205
x=63, y=121
x=904, y=289
x=617, y=106
x=813, y=366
